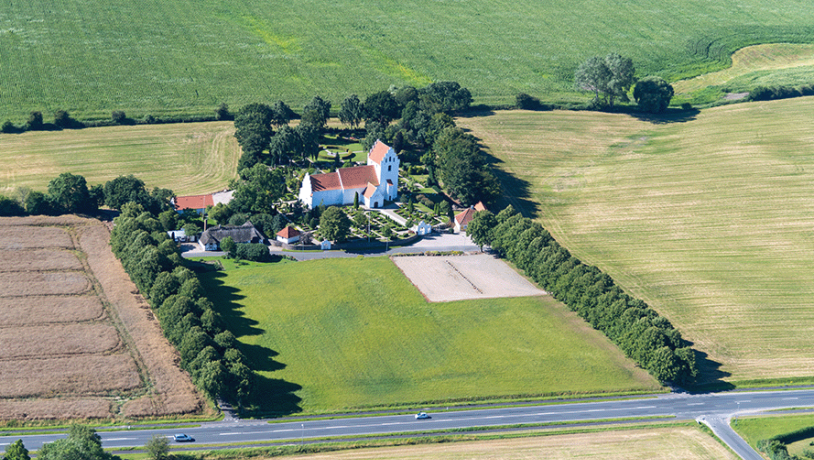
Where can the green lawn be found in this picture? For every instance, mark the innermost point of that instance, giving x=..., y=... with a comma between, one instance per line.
x=188, y=158
x=753, y=429
x=351, y=333
x=188, y=56
x=708, y=218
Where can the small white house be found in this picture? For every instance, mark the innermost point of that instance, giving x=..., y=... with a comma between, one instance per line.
x=288, y=235
x=210, y=239
x=325, y=245
x=180, y=235
x=423, y=228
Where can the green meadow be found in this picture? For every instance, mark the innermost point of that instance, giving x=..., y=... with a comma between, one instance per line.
x=342, y=334
x=754, y=429
x=706, y=216
x=188, y=158
x=180, y=57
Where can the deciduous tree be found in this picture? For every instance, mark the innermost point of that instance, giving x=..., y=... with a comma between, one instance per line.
x=316, y=112
x=351, y=112
x=334, y=224
x=653, y=94
x=381, y=107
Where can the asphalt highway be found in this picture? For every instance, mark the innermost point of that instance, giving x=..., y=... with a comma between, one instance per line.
x=711, y=408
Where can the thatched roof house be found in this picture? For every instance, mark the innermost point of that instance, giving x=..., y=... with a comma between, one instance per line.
x=210, y=239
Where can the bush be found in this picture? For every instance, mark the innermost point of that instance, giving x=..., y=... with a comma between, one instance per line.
x=118, y=116
x=255, y=252
x=527, y=102
x=8, y=127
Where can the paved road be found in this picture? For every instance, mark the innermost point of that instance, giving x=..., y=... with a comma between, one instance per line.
x=715, y=409
x=435, y=242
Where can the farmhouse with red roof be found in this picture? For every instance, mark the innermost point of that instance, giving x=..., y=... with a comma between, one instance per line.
x=376, y=182
x=462, y=219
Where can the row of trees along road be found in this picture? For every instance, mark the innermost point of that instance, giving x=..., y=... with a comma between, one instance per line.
x=611, y=78
x=649, y=339
x=187, y=318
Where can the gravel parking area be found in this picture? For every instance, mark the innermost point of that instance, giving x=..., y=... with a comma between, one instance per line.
x=448, y=278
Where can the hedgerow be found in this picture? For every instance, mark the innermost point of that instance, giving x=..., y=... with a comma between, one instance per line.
x=643, y=335
x=186, y=316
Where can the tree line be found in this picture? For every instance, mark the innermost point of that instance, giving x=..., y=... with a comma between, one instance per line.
x=69, y=194
x=644, y=336
x=187, y=317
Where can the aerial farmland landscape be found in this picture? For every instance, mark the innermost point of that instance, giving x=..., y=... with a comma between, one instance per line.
x=447, y=229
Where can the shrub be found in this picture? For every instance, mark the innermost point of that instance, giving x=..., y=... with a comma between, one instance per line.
x=255, y=252
x=8, y=127
x=118, y=116
x=527, y=102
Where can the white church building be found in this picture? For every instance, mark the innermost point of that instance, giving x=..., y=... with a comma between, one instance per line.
x=376, y=182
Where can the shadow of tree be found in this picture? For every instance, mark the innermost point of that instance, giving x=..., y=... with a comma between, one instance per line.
x=710, y=376
x=270, y=397
x=668, y=117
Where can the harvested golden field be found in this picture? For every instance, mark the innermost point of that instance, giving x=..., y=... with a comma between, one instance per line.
x=708, y=218
x=678, y=443
x=22, y=237
x=15, y=284
x=36, y=260
x=74, y=339
x=32, y=310
x=58, y=339
x=189, y=158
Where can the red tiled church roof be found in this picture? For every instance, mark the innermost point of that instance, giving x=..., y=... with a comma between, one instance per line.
x=358, y=176
x=378, y=151
x=328, y=181
x=465, y=217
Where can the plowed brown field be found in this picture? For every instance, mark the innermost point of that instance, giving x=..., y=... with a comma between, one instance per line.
x=74, y=339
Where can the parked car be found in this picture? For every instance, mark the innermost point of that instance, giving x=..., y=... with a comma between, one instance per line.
x=421, y=416
x=183, y=438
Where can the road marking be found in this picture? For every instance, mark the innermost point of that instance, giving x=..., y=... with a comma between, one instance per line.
x=696, y=404
x=645, y=407
x=4, y=443
x=786, y=399
x=120, y=439
x=748, y=400
x=229, y=434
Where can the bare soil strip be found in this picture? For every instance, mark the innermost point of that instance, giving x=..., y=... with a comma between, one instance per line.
x=57, y=340
x=23, y=237
x=32, y=310
x=445, y=279
x=174, y=392
x=14, y=284
x=73, y=375
x=38, y=260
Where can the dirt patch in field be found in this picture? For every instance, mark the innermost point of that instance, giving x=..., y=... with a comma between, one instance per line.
x=74, y=375
x=32, y=310
x=25, y=237
x=13, y=284
x=174, y=391
x=444, y=279
x=72, y=331
x=39, y=260
x=57, y=340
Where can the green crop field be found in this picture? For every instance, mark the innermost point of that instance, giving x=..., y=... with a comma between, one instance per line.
x=187, y=56
x=708, y=218
x=352, y=333
x=188, y=158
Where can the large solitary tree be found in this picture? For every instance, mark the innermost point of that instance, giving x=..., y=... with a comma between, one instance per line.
x=69, y=193
x=611, y=76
